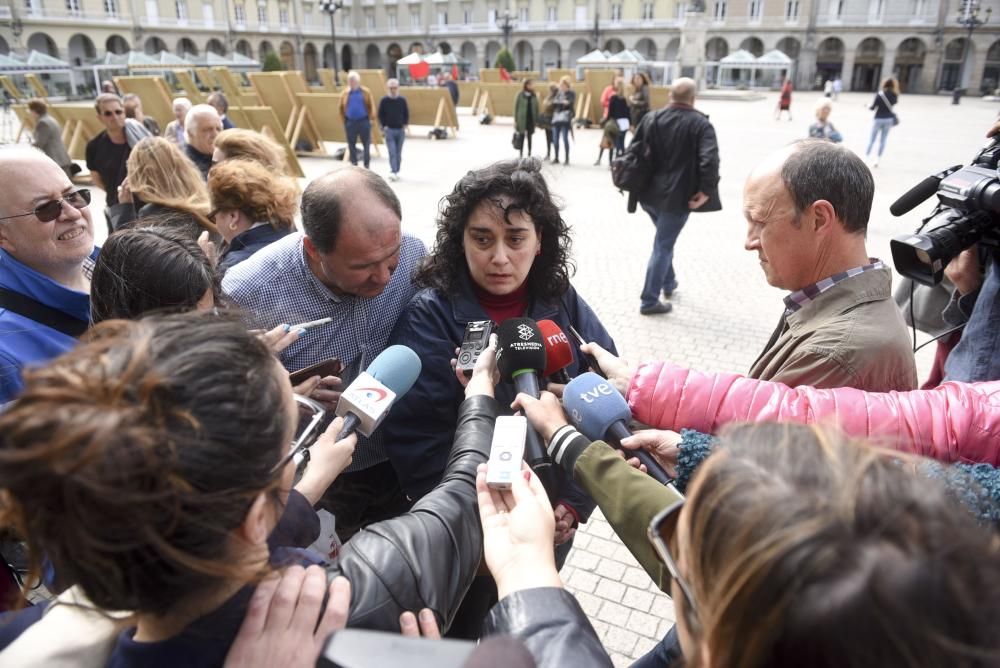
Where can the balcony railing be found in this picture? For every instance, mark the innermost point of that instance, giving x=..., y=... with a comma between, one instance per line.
x=60, y=14
x=866, y=19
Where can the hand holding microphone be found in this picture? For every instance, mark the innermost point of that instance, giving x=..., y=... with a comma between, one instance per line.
x=663, y=446
x=600, y=413
x=366, y=401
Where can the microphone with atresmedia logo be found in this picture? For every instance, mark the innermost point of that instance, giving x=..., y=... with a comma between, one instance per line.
x=520, y=359
x=366, y=401
x=599, y=412
x=558, y=352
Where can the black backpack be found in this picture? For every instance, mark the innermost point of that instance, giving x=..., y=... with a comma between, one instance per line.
x=631, y=171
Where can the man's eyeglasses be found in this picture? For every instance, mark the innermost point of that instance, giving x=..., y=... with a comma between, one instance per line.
x=49, y=211
x=112, y=112
x=662, y=534
x=311, y=416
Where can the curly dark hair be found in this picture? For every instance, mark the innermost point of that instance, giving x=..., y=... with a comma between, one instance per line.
x=522, y=181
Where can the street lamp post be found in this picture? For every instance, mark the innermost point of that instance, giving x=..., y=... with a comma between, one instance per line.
x=968, y=18
x=331, y=7
x=506, y=24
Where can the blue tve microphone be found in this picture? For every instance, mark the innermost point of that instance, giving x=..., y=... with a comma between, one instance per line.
x=599, y=412
x=367, y=400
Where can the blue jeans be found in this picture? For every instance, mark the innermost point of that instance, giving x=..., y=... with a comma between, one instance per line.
x=977, y=355
x=359, y=128
x=560, y=130
x=880, y=127
x=660, y=270
x=394, y=142
x=664, y=654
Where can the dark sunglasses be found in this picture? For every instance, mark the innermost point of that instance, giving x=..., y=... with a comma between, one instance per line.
x=311, y=415
x=49, y=211
x=114, y=112
x=662, y=534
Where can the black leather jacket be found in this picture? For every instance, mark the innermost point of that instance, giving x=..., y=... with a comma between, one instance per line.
x=553, y=626
x=428, y=557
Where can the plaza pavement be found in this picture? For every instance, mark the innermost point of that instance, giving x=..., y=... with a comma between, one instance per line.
x=723, y=312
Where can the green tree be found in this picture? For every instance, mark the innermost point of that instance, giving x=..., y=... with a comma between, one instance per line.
x=505, y=60
x=272, y=63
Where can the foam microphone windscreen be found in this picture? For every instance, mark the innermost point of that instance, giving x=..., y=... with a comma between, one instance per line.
x=594, y=405
x=519, y=347
x=396, y=367
x=558, y=351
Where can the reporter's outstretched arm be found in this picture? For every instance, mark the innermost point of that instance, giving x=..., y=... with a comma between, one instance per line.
x=428, y=557
x=518, y=528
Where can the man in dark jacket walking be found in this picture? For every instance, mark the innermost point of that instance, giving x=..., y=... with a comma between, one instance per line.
x=685, y=178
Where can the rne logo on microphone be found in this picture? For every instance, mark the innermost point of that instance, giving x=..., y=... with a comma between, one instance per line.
x=525, y=332
x=554, y=339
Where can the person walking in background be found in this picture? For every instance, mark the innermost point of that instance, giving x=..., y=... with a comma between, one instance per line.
x=828, y=88
x=47, y=136
x=785, y=100
x=133, y=109
x=174, y=132
x=838, y=86
x=545, y=118
x=221, y=104
x=618, y=112
x=562, y=116
x=885, y=117
x=822, y=128
x=394, y=119
x=357, y=111
x=609, y=139
x=526, y=114
x=684, y=178
x=638, y=101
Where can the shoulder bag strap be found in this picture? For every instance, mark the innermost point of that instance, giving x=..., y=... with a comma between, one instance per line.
x=42, y=314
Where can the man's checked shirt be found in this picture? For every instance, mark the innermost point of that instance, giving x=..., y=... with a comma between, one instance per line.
x=276, y=286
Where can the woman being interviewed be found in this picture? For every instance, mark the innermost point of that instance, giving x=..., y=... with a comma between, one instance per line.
x=502, y=251
x=151, y=466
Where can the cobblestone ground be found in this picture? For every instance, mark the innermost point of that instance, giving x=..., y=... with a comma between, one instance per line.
x=723, y=311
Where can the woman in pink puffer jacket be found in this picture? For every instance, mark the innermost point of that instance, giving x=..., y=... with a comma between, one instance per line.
x=955, y=422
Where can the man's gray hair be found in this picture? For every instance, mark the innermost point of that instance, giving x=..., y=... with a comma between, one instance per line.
x=821, y=170
x=191, y=120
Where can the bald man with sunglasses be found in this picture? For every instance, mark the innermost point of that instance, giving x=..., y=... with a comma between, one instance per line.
x=47, y=254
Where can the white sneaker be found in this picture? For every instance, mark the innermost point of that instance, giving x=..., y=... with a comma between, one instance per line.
x=393, y=176
x=875, y=162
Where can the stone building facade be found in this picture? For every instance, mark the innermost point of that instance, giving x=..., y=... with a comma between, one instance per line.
x=861, y=41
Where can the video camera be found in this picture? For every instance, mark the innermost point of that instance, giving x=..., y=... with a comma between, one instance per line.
x=968, y=212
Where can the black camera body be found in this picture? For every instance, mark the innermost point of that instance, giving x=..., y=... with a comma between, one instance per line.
x=968, y=212
x=474, y=341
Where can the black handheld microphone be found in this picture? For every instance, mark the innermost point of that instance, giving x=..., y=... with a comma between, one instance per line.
x=919, y=193
x=600, y=412
x=520, y=360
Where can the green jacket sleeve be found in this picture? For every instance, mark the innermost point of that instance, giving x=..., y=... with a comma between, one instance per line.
x=629, y=500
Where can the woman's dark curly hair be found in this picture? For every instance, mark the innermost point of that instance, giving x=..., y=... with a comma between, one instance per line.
x=520, y=180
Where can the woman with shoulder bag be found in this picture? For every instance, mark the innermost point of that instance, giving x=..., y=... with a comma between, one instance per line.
x=885, y=117
x=525, y=116
x=545, y=118
x=562, y=116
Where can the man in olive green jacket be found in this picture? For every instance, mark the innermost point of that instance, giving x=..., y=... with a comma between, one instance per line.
x=807, y=209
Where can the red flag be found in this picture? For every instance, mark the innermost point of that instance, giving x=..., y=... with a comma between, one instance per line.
x=454, y=72
x=504, y=76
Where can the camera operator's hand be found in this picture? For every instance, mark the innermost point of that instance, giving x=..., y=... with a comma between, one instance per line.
x=617, y=370
x=422, y=625
x=662, y=445
x=518, y=533
x=280, y=625
x=994, y=130
x=545, y=414
x=965, y=271
x=485, y=375
x=328, y=458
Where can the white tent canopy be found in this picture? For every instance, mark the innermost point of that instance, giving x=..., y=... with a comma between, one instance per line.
x=742, y=67
x=411, y=59
x=595, y=57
